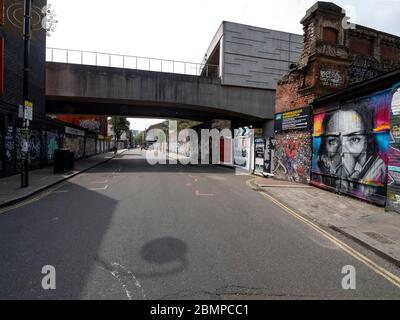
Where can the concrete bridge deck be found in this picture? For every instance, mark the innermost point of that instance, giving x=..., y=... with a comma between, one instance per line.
x=88, y=89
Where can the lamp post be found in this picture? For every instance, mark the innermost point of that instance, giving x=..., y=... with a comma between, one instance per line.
x=25, y=98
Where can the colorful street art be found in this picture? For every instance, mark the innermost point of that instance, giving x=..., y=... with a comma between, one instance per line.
x=293, y=156
x=90, y=124
x=351, y=148
x=35, y=146
x=242, y=144
x=42, y=145
x=52, y=145
x=393, y=192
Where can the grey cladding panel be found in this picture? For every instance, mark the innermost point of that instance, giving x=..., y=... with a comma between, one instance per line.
x=256, y=57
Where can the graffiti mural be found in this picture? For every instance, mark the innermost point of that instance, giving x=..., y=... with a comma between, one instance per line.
x=35, y=147
x=351, y=148
x=242, y=144
x=90, y=124
x=9, y=144
x=292, y=158
x=75, y=144
x=393, y=192
x=52, y=145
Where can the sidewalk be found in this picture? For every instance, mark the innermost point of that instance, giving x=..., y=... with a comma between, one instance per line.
x=366, y=224
x=41, y=179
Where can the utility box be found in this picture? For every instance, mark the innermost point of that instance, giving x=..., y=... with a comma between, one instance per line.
x=64, y=160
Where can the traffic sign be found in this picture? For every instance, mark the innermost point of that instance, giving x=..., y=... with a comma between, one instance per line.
x=28, y=110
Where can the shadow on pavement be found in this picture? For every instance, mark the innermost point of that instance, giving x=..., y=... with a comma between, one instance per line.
x=61, y=230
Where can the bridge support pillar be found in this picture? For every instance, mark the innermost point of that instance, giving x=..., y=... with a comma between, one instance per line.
x=268, y=129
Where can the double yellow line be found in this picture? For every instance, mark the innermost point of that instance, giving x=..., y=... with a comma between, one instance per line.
x=395, y=280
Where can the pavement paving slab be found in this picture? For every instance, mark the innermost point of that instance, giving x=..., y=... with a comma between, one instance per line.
x=365, y=223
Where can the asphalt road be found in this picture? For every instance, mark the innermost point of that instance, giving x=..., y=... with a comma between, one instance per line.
x=129, y=230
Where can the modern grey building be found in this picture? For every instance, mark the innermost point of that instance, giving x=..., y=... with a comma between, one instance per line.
x=254, y=57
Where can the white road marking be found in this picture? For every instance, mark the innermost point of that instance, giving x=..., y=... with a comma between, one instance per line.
x=117, y=275
x=203, y=194
x=99, y=189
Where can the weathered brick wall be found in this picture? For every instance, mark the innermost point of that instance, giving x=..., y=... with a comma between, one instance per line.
x=287, y=94
x=333, y=58
x=326, y=67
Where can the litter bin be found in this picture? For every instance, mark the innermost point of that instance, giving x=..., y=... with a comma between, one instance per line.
x=64, y=160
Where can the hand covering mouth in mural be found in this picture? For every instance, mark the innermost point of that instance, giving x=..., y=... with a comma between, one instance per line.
x=350, y=149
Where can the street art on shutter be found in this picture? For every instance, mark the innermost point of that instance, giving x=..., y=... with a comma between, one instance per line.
x=34, y=149
x=393, y=193
x=9, y=144
x=351, y=147
x=52, y=145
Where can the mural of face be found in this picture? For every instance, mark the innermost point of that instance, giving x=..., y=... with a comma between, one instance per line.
x=345, y=144
x=351, y=147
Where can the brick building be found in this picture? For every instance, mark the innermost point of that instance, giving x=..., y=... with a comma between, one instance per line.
x=336, y=55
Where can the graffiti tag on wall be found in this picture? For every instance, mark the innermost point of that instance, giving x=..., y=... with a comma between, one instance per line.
x=351, y=148
x=9, y=144
x=52, y=145
x=331, y=78
x=90, y=124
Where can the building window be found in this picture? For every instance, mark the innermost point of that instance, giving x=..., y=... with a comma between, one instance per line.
x=330, y=35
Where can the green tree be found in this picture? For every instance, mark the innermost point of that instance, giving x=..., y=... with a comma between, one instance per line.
x=119, y=125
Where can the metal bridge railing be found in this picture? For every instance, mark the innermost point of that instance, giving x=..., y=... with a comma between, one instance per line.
x=130, y=62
